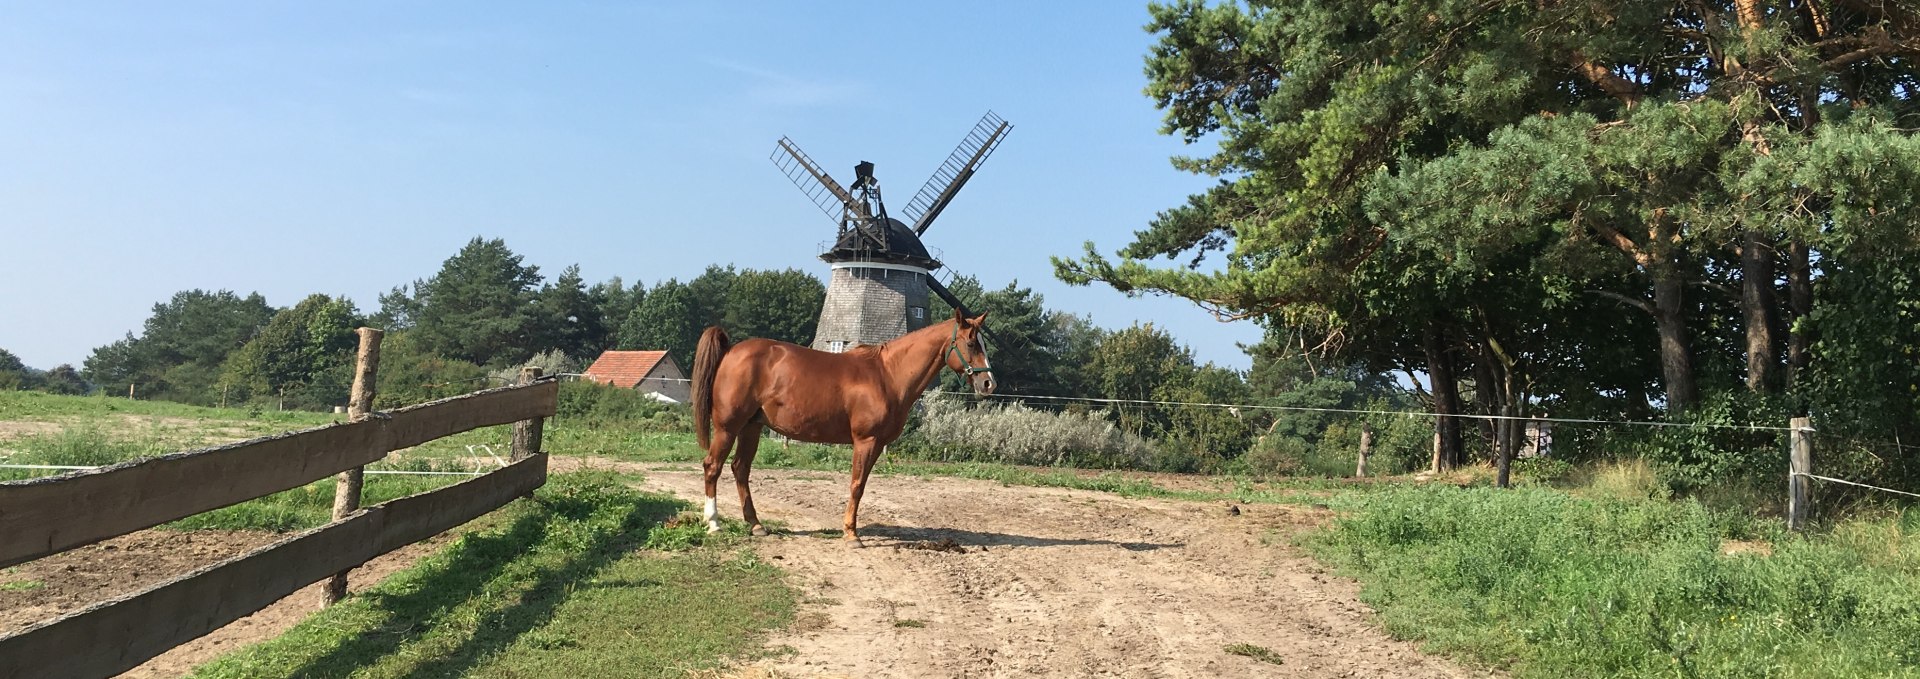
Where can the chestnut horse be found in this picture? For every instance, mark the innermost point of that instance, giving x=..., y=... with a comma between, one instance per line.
x=859, y=397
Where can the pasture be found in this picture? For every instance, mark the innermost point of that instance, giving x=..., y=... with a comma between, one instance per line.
x=983, y=569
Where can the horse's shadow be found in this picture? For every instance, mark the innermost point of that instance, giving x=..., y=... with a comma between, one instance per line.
x=900, y=536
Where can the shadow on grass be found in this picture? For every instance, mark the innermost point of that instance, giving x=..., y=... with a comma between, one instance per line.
x=413, y=615
x=971, y=538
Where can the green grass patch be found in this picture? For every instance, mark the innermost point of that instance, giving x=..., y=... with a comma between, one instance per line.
x=22, y=586
x=308, y=506
x=560, y=586
x=1552, y=585
x=33, y=406
x=1260, y=653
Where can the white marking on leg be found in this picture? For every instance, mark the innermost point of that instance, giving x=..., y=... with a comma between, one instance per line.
x=713, y=516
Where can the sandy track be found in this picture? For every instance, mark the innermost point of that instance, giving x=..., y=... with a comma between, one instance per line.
x=1054, y=582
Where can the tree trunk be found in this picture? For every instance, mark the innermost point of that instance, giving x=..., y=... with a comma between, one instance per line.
x=1800, y=303
x=1486, y=392
x=1676, y=359
x=1757, y=305
x=1446, y=399
x=1503, y=460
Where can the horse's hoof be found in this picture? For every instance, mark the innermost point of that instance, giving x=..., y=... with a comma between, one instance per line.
x=853, y=542
x=760, y=531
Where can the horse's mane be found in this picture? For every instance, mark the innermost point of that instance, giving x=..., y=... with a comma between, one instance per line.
x=883, y=345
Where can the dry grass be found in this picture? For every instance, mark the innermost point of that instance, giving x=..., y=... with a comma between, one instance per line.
x=1621, y=480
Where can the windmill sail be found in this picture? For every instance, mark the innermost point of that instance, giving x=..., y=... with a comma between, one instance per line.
x=952, y=174
x=820, y=188
x=940, y=289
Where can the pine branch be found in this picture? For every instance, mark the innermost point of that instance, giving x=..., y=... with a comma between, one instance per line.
x=1608, y=81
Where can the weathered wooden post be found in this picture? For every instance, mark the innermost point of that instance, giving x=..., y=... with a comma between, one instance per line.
x=1366, y=446
x=1438, y=455
x=346, y=487
x=1801, y=466
x=527, y=433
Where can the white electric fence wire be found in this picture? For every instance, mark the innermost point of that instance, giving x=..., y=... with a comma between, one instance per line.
x=1351, y=411
x=1305, y=409
x=490, y=453
x=1855, y=483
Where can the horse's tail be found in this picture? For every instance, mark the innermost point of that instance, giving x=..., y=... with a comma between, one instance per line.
x=706, y=361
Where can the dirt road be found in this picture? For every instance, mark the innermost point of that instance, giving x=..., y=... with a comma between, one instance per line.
x=1053, y=582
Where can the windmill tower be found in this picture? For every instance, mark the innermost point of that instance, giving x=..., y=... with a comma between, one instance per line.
x=882, y=273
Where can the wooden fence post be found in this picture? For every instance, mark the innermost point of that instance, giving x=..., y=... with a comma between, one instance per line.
x=346, y=487
x=527, y=433
x=1435, y=468
x=1801, y=465
x=1366, y=446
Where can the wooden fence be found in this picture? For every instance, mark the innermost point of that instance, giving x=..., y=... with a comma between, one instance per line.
x=45, y=516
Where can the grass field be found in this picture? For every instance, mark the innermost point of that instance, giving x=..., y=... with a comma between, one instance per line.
x=1551, y=584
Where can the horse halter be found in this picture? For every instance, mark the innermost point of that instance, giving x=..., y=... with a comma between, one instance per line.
x=953, y=347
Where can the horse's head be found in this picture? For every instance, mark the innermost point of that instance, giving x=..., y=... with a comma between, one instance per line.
x=967, y=356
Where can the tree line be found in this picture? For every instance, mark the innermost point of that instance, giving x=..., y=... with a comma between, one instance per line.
x=484, y=310
x=1695, y=211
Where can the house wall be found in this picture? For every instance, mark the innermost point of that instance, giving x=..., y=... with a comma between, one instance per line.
x=667, y=379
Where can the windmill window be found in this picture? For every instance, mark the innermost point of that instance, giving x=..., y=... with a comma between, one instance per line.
x=918, y=312
x=837, y=346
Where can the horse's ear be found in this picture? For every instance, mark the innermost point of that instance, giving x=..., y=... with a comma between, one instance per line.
x=959, y=315
x=982, y=318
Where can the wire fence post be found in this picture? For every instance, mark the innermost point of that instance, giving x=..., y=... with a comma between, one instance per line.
x=527, y=433
x=346, y=487
x=1797, y=476
x=1366, y=446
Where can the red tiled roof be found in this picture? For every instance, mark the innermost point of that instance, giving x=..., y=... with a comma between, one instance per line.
x=624, y=368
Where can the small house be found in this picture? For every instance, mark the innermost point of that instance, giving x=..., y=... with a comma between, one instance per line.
x=651, y=372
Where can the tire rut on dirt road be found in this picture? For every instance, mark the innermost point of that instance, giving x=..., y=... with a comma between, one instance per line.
x=1051, y=582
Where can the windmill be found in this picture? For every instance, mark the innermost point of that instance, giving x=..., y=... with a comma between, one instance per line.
x=882, y=273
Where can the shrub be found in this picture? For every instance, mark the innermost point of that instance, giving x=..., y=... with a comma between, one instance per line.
x=1400, y=445
x=600, y=403
x=1545, y=470
x=550, y=362
x=1275, y=455
x=947, y=429
x=1688, y=459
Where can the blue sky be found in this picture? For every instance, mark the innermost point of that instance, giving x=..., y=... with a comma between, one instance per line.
x=344, y=148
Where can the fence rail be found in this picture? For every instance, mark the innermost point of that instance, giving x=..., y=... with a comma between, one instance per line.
x=47, y=515
x=117, y=635
x=52, y=514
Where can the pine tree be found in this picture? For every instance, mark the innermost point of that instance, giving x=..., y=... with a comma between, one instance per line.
x=479, y=307
x=569, y=319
